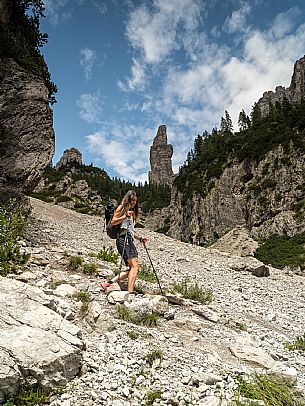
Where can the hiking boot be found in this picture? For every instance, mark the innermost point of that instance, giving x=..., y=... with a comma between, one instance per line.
x=106, y=284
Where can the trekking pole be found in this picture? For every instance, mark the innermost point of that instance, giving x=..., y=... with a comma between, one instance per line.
x=154, y=270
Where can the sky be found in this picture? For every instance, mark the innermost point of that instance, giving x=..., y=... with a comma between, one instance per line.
x=124, y=67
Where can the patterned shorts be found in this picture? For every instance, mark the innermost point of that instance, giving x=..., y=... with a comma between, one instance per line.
x=129, y=251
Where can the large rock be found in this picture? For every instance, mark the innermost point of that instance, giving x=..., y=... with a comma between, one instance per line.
x=71, y=155
x=26, y=132
x=36, y=343
x=161, y=159
x=294, y=93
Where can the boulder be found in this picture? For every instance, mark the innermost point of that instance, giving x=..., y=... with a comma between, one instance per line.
x=36, y=343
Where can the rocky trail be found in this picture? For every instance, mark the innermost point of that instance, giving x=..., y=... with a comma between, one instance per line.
x=198, y=348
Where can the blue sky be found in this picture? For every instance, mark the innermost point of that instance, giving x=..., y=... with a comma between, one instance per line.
x=123, y=67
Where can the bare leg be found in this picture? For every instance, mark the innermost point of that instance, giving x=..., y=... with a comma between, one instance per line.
x=133, y=273
x=121, y=277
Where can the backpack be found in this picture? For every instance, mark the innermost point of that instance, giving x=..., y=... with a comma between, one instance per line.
x=111, y=230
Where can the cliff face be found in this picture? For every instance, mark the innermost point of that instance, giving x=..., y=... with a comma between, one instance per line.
x=26, y=132
x=294, y=93
x=161, y=159
x=267, y=198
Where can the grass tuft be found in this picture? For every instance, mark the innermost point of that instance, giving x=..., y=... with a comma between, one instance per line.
x=193, y=291
x=151, y=396
x=297, y=344
x=126, y=314
x=272, y=389
x=75, y=262
x=146, y=274
x=108, y=254
x=152, y=356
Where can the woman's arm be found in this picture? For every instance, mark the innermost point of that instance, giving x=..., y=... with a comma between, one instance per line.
x=119, y=216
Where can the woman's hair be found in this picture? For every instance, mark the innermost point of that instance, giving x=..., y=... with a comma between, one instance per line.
x=125, y=205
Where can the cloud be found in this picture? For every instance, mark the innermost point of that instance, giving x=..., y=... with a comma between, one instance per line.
x=137, y=79
x=158, y=30
x=236, y=22
x=87, y=59
x=90, y=107
x=101, y=7
x=54, y=10
x=124, y=149
x=196, y=95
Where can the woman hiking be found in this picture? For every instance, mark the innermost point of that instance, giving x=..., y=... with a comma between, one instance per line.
x=127, y=214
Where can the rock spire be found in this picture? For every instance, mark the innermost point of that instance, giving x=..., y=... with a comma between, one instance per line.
x=70, y=155
x=161, y=159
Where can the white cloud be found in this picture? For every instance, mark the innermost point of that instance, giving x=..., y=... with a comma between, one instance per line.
x=137, y=80
x=125, y=149
x=90, y=107
x=236, y=22
x=87, y=59
x=54, y=10
x=284, y=23
x=157, y=30
x=197, y=94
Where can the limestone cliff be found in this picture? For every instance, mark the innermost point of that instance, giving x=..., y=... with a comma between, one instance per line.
x=26, y=122
x=161, y=159
x=71, y=155
x=267, y=198
x=294, y=93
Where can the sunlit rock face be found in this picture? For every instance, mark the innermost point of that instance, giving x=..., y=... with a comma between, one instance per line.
x=161, y=159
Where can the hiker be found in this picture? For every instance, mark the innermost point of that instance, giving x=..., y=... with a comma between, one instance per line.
x=127, y=215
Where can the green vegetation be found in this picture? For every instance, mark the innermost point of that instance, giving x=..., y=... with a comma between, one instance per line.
x=298, y=344
x=151, y=396
x=108, y=254
x=85, y=298
x=212, y=153
x=12, y=224
x=273, y=390
x=153, y=356
x=75, y=262
x=281, y=251
x=90, y=269
x=21, y=39
x=27, y=397
x=193, y=291
x=134, y=335
x=146, y=273
x=126, y=314
x=150, y=196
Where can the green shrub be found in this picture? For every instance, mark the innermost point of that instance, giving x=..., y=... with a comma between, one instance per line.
x=27, y=397
x=75, y=262
x=152, y=356
x=83, y=296
x=193, y=291
x=273, y=390
x=130, y=316
x=12, y=225
x=108, y=254
x=297, y=344
x=89, y=269
x=63, y=198
x=281, y=251
x=146, y=274
x=134, y=335
x=151, y=396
